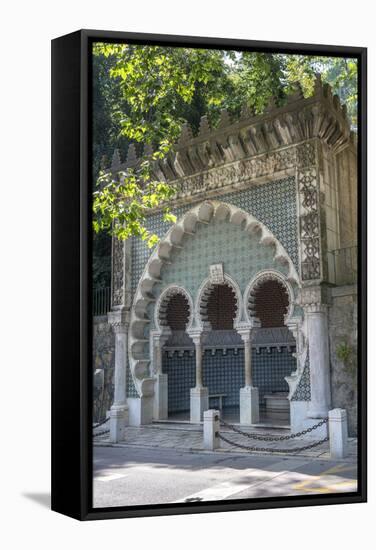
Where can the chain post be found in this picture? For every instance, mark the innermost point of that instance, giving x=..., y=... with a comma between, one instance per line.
x=211, y=430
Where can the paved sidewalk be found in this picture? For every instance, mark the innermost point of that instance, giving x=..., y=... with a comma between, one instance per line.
x=187, y=437
x=127, y=475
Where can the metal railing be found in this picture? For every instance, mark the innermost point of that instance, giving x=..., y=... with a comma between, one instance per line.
x=101, y=301
x=343, y=265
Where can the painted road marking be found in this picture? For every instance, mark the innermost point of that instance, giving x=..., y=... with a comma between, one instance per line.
x=332, y=484
x=251, y=477
x=109, y=477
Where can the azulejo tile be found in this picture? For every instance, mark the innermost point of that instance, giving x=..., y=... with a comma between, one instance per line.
x=303, y=389
x=273, y=203
x=224, y=374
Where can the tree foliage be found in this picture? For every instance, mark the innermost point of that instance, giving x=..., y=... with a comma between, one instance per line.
x=143, y=95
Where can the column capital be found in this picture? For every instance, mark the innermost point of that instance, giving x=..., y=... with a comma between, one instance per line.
x=315, y=308
x=196, y=335
x=246, y=329
x=119, y=320
x=160, y=337
x=314, y=299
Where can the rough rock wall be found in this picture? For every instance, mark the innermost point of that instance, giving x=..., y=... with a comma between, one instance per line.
x=103, y=366
x=343, y=351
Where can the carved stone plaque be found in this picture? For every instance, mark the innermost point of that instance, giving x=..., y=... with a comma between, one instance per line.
x=216, y=274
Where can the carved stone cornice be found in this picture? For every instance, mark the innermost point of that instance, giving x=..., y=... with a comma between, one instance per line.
x=250, y=148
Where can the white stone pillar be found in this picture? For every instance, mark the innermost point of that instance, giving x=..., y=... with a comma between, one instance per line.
x=249, y=395
x=211, y=430
x=246, y=337
x=161, y=397
x=199, y=394
x=158, y=345
x=160, y=405
x=318, y=342
x=198, y=349
x=338, y=433
x=119, y=409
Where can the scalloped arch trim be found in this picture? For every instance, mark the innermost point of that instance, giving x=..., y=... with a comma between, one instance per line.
x=203, y=212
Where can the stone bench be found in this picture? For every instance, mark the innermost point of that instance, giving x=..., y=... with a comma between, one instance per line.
x=277, y=403
x=220, y=397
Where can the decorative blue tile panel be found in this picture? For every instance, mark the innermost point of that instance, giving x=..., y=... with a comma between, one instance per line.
x=223, y=373
x=273, y=203
x=181, y=371
x=131, y=388
x=303, y=389
x=218, y=242
x=269, y=368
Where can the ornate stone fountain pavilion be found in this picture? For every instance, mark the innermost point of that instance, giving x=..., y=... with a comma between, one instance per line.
x=245, y=299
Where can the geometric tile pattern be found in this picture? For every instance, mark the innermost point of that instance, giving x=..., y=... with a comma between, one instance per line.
x=217, y=242
x=273, y=203
x=224, y=373
x=181, y=377
x=131, y=388
x=270, y=369
x=303, y=389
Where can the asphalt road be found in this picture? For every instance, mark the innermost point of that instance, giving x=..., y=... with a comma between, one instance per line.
x=130, y=476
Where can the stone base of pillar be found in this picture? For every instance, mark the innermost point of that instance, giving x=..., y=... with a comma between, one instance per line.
x=199, y=404
x=317, y=412
x=118, y=421
x=249, y=406
x=140, y=410
x=300, y=420
x=161, y=397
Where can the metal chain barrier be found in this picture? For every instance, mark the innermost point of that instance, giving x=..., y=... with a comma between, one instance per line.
x=101, y=423
x=269, y=437
x=101, y=433
x=272, y=449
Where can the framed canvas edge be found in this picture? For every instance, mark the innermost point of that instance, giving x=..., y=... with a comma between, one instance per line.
x=86, y=511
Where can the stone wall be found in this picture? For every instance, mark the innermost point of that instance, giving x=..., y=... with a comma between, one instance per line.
x=103, y=366
x=343, y=351
x=348, y=203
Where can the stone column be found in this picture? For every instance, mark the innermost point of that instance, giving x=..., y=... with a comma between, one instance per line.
x=249, y=395
x=119, y=410
x=161, y=386
x=158, y=355
x=198, y=349
x=246, y=337
x=199, y=394
x=318, y=341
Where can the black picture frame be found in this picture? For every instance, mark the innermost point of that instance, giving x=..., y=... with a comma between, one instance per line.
x=71, y=276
